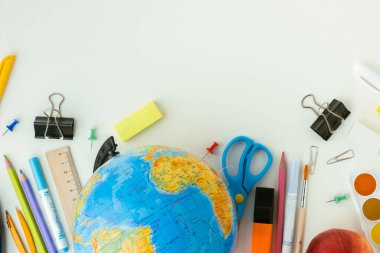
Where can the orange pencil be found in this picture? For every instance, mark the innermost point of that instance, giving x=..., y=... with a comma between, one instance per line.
x=27, y=233
x=262, y=220
x=14, y=233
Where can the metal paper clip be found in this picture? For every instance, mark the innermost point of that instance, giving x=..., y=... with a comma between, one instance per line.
x=341, y=157
x=313, y=158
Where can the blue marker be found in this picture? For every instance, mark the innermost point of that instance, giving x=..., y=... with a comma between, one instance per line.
x=49, y=206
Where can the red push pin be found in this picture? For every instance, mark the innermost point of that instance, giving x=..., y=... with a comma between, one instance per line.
x=210, y=150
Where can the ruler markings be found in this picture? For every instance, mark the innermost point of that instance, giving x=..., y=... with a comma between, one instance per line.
x=66, y=180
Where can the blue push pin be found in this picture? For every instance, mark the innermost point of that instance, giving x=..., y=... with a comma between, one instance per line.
x=11, y=126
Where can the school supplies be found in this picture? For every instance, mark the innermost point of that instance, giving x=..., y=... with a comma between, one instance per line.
x=366, y=194
x=15, y=234
x=346, y=155
x=242, y=183
x=365, y=137
x=313, y=158
x=6, y=66
x=106, y=152
x=27, y=233
x=25, y=207
x=49, y=206
x=33, y=203
x=370, y=77
x=291, y=206
x=302, y=212
x=339, y=198
x=11, y=126
x=92, y=136
x=66, y=181
x=262, y=220
x=211, y=149
x=53, y=125
x=280, y=204
x=138, y=121
x=331, y=117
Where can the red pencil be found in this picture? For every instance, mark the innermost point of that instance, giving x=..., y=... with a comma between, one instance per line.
x=280, y=205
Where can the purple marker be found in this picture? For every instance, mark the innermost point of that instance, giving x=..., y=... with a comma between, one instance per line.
x=48, y=239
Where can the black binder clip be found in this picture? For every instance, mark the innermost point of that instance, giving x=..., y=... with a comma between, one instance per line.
x=53, y=125
x=332, y=116
x=106, y=152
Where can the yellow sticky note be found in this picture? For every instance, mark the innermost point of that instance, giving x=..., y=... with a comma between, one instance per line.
x=138, y=121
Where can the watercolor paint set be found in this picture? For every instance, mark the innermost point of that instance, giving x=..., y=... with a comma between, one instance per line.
x=366, y=193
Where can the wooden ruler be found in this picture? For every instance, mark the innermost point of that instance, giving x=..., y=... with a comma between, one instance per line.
x=66, y=181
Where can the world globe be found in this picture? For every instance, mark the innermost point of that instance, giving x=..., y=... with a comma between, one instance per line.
x=155, y=199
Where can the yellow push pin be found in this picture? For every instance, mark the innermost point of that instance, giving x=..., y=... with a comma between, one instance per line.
x=239, y=198
x=378, y=109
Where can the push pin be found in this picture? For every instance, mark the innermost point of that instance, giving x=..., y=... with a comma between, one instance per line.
x=11, y=126
x=210, y=150
x=92, y=137
x=339, y=198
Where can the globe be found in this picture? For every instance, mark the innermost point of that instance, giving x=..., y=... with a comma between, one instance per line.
x=155, y=199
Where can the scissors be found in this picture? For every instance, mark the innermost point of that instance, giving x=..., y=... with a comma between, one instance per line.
x=242, y=183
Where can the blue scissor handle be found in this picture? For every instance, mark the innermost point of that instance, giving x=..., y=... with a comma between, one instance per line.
x=251, y=179
x=237, y=185
x=238, y=178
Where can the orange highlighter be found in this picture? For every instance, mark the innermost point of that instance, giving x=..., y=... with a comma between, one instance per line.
x=262, y=220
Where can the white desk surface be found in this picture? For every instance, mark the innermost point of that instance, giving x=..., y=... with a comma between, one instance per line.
x=217, y=69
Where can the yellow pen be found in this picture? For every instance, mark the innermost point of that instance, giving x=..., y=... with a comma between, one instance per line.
x=5, y=71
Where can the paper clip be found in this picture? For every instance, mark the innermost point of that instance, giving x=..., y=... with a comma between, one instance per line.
x=313, y=158
x=341, y=157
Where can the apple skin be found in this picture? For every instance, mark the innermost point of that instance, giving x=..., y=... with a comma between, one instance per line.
x=339, y=241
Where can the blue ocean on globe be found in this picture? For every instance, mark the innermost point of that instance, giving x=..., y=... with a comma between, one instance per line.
x=155, y=199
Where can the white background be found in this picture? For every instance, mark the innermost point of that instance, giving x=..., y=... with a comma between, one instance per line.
x=217, y=69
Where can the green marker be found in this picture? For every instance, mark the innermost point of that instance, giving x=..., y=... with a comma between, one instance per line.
x=92, y=137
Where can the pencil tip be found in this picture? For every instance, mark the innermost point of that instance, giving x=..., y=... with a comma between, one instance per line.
x=7, y=162
x=283, y=155
x=22, y=176
x=6, y=212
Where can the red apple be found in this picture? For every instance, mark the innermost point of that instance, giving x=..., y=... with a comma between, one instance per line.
x=339, y=241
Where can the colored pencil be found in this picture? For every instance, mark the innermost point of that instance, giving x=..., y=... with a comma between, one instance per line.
x=25, y=207
x=44, y=229
x=280, y=204
x=15, y=235
x=27, y=233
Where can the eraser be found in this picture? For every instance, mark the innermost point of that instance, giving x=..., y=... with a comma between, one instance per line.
x=138, y=121
x=365, y=137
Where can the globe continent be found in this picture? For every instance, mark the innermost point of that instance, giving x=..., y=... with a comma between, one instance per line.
x=155, y=199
